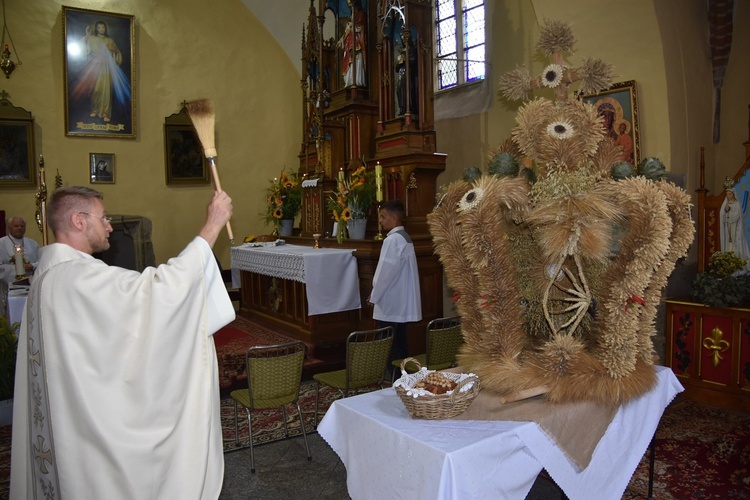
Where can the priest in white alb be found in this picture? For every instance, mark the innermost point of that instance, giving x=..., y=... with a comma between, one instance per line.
x=116, y=391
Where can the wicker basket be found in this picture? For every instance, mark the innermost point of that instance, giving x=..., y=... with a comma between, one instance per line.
x=438, y=406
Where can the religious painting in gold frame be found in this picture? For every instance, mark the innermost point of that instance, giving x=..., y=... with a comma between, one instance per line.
x=99, y=73
x=184, y=158
x=17, y=168
x=618, y=105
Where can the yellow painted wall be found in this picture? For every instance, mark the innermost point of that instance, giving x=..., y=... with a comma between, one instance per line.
x=185, y=50
x=661, y=44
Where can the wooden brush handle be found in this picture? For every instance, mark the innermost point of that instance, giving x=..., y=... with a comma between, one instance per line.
x=215, y=175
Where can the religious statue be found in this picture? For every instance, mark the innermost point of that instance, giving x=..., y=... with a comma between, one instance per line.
x=354, y=45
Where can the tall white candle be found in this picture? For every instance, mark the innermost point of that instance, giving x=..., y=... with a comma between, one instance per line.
x=20, y=270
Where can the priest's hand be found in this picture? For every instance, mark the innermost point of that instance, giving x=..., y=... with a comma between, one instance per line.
x=217, y=215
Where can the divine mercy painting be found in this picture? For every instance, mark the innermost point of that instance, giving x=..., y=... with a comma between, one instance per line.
x=99, y=73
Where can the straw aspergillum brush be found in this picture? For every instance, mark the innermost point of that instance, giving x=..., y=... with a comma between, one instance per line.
x=201, y=113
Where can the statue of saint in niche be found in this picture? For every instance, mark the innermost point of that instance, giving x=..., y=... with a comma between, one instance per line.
x=403, y=58
x=354, y=45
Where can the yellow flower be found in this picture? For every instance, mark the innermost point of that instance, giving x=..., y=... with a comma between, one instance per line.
x=346, y=214
x=335, y=215
x=278, y=213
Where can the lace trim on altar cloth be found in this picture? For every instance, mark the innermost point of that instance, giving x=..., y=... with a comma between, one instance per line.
x=274, y=264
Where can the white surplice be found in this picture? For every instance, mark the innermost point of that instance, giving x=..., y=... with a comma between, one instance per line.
x=395, y=286
x=116, y=391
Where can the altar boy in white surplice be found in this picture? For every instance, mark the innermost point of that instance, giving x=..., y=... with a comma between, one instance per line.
x=116, y=391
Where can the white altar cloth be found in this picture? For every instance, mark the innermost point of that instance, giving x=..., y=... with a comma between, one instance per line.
x=330, y=274
x=388, y=454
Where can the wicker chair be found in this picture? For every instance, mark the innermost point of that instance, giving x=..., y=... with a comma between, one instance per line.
x=367, y=354
x=274, y=374
x=443, y=342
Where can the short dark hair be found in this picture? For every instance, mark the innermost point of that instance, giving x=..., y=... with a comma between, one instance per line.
x=395, y=207
x=67, y=199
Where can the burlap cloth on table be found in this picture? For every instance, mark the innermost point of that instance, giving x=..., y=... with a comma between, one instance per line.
x=576, y=428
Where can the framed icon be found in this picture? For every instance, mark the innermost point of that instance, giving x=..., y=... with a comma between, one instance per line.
x=17, y=168
x=618, y=106
x=102, y=168
x=184, y=157
x=99, y=66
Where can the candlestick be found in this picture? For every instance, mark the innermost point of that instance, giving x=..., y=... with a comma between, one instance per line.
x=379, y=236
x=341, y=174
x=20, y=269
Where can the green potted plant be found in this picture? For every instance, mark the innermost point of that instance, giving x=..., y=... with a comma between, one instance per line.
x=8, y=345
x=283, y=203
x=724, y=283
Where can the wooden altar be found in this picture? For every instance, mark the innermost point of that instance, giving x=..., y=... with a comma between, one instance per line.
x=281, y=303
x=367, y=97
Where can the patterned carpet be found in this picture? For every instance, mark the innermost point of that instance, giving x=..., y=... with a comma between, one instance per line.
x=232, y=342
x=267, y=426
x=701, y=452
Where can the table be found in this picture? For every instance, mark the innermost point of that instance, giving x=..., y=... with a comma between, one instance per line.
x=388, y=454
x=330, y=274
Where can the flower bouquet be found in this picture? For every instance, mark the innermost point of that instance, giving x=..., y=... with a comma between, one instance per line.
x=283, y=199
x=724, y=283
x=352, y=199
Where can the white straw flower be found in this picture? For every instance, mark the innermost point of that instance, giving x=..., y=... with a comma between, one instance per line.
x=561, y=129
x=552, y=76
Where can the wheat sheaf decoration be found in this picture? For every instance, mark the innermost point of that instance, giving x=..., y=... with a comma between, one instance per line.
x=558, y=266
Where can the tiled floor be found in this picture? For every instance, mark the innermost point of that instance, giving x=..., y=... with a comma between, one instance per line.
x=282, y=471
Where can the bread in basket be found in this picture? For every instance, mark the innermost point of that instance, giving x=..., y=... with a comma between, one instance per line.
x=422, y=403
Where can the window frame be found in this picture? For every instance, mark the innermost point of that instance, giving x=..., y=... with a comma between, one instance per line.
x=462, y=63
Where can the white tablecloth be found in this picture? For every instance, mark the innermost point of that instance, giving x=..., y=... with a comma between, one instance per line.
x=16, y=303
x=388, y=454
x=330, y=274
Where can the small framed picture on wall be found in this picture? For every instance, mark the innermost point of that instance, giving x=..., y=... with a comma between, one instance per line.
x=102, y=168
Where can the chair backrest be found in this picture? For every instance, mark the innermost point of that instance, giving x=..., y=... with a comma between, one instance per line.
x=367, y=353
x=444, y=339
x=274, y=374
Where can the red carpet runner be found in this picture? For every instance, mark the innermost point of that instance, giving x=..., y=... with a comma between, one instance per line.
x=233, y=341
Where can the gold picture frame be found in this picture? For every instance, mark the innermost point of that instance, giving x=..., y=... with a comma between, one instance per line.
x=99, y=67
x=619, y=107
